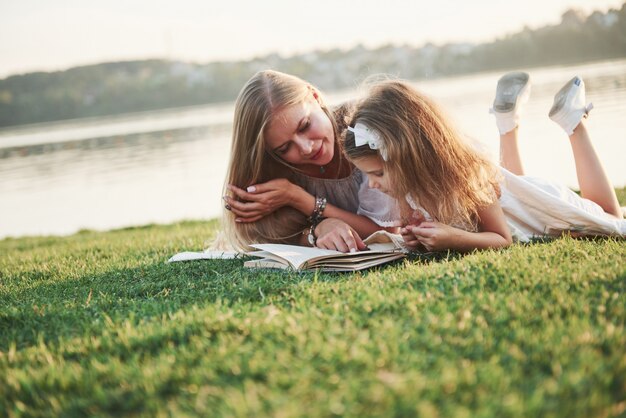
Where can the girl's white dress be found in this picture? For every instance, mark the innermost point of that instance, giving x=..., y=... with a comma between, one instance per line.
x=535, y=207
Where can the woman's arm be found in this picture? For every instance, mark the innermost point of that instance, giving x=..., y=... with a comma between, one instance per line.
x=267, y=197
x=435, y=236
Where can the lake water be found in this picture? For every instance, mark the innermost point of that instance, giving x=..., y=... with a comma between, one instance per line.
x=159, y=167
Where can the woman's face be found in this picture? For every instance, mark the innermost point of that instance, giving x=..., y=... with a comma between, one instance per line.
x=302, y=134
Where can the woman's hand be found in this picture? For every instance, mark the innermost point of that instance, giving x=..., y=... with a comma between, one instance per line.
x=334, y=234
x=260, y=200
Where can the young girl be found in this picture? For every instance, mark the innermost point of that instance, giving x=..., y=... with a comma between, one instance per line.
x=451, y=196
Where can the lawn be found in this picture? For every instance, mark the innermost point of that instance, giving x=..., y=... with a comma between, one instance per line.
x=99, y=324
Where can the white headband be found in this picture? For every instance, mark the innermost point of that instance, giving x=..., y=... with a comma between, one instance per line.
x=364, y=135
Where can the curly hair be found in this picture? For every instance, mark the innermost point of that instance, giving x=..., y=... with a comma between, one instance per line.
x=427, y=160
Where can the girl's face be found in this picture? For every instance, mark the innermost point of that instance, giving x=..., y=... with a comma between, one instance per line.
x=374, y=168
x=302, y=134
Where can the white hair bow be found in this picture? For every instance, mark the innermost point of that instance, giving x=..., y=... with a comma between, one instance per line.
x=364, y=135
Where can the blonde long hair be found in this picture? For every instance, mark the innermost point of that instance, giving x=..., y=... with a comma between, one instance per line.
x=427, y=159
x=265, y=94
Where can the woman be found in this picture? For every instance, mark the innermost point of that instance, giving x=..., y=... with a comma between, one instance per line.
x=287, y=179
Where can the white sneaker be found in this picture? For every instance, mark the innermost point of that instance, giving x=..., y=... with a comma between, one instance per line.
x=511, y=93
x=569, y=105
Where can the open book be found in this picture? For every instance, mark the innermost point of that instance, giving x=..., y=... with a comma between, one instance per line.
x=383, y=248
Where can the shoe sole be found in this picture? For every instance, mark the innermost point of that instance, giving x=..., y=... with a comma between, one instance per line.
x=509, y=89
x=561, y=96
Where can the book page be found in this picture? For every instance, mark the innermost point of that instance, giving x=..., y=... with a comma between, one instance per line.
x=356, y=263
x=266, y=263
x=361, y=265
x=383, y=240
x=382, y=247
x=203, y=255
x=293, y=255
x=299, y=257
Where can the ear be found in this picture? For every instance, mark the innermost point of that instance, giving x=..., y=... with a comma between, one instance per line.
x=315, y=94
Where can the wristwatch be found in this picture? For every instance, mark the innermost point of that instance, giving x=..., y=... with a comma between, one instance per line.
x=311, y=237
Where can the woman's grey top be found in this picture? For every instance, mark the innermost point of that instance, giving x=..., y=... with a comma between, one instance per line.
x=343, y=192
x=353, y=194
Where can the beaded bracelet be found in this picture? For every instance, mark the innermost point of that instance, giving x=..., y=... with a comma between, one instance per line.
x=315, y=218
x=317, y=215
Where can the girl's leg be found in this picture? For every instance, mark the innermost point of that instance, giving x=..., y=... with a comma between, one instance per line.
x=569, y=111
x=592, y=179
x=512, y=92
x=509, y=153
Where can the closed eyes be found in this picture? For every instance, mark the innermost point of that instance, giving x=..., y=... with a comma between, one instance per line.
x=301, y=128
x=305, y=126
x=284, y=148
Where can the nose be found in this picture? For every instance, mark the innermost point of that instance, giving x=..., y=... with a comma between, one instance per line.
x=373, y=184
x=305, y=145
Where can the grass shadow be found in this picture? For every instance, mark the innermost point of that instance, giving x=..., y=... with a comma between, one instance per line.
x=54, y=307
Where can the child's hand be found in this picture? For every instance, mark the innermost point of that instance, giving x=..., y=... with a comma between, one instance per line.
x=410, y=240
x=434, y=236
x=417, y=217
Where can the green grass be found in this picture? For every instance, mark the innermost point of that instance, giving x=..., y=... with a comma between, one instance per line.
x=98, y=324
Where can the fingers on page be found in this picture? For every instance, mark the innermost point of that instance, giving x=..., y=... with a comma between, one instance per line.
x=340, y=244
x=350, y=242
x=360, y=245
x=348, y=238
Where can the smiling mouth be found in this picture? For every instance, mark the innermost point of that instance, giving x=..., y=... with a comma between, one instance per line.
x=317, y=154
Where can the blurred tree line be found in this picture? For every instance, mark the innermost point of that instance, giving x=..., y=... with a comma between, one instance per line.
x=122, y=87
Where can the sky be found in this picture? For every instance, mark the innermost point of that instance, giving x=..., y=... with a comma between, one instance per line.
x=49, y=35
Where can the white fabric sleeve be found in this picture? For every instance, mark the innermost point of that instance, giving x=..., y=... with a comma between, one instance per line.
x=379, y=207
